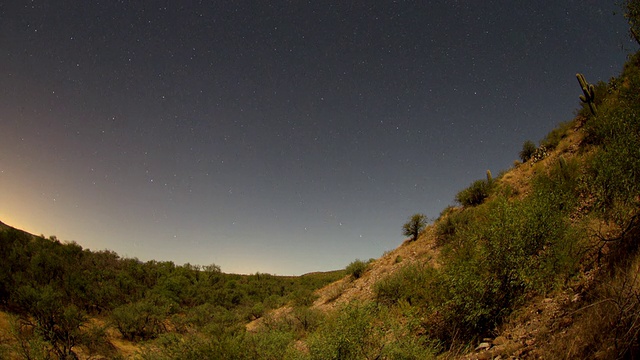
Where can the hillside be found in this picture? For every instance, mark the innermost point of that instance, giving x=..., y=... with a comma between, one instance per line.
x=545, y=265
x=540, y=261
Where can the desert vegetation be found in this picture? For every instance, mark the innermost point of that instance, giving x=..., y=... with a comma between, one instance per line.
x=63, y=300
x=562, y=246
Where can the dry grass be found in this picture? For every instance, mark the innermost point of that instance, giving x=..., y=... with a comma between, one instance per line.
x=607, y=325
x=518, y=178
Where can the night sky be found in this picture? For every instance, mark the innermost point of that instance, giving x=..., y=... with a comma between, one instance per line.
x=275, y=136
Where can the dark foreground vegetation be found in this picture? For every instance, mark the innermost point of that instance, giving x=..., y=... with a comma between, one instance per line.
x=54, y=289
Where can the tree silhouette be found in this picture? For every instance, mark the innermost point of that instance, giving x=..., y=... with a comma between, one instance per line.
x=413, y=227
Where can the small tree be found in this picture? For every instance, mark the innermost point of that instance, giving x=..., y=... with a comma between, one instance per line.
x=474, y=194
x=357, y=268
x=415, y=225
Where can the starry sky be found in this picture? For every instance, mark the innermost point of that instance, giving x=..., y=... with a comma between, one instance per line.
x=280, y=137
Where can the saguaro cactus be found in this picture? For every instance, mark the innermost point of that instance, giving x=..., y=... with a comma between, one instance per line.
x=589, y=91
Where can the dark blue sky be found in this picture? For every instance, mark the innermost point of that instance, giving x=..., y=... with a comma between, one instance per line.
x=280, y=137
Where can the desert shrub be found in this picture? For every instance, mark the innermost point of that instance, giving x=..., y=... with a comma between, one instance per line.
x=272, y=345
x=528, y=149
x=513, y=249
x=188, y=347
x=445, y=229
x=335, y=292
x=370, y=331
x=451, y=224
x=46, y=312
x=307, y=319
x=357, y=268
x=561, y=186
x=474, y=194
x=28, y=344
x=140, y=320
x=410, y=348
x=95, y=340
x=194, y=318
x=348, y=334
x=613, y=176
x=413, y=283
x=615, y=168
x=222, y=322
x=415, y=225
x=303, y=297
x=256, y=311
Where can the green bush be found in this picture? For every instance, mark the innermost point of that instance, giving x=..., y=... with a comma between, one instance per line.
x=307, y=319
x=256, y=311
x=519, y=246
x=140, y=320
x=410, y=348
x=415, y=225
x=474, y=194
x=369, y=331
x=272, y=345
x=413, y=283
x=528, y=149
x=357, y=268
x=613, y=176
x=95, y=340
x=303, y=297
x=348, y=334
x=450, y=225
x=49, y=316
x=615, y=169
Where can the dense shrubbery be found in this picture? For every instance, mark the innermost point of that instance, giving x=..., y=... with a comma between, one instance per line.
x=451, y=223
x=614, y=169
x=367, y=331
x=474, y=194
x=142, y=319
x=414, y=284
x=53, y=288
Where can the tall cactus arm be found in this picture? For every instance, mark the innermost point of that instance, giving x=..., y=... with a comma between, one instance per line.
x=589, y=91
